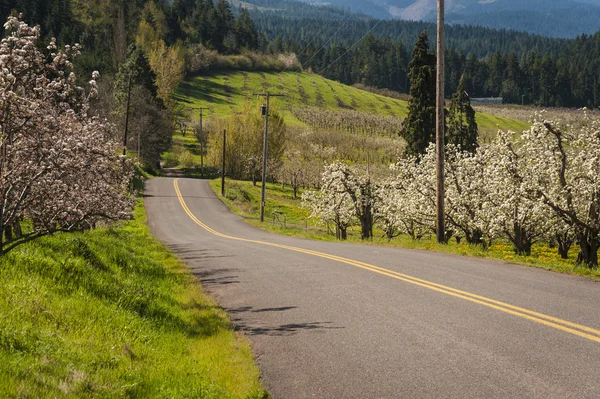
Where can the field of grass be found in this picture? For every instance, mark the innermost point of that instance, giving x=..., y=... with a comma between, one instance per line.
x=243, y=199
x=225, y=92
x=112, y=313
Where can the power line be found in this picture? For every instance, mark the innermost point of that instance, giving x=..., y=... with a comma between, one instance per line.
x=326, y=43
x=350, y=49
x=325, y=26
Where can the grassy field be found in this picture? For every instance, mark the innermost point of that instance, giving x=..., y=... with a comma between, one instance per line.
x=243, y=199
x=112, y=313
x=225, y=92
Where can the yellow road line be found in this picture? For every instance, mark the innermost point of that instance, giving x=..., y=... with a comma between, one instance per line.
x=550, y=321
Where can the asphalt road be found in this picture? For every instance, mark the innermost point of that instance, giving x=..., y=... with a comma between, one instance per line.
x=336, y=320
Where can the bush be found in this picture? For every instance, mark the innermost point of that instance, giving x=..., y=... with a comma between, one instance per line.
x=170, y=160
x=187, y=159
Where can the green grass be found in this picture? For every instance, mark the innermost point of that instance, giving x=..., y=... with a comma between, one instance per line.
x=225, y=92
x=242, y=198
x=112, y=313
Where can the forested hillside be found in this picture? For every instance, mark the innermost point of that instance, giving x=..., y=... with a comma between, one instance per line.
x=519, y=67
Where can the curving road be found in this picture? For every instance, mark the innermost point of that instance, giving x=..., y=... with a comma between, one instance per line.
x=336, y=320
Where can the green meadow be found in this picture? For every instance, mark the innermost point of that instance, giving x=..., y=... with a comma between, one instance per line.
x=224, y=93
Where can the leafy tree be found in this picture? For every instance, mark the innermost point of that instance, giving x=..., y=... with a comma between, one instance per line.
x=419, y=126
x=462, y=127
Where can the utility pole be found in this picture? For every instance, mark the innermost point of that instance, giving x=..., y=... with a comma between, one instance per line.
x=201, y=142
x=265, y=109
x=440, y=119
x=127, y=117
x=223, y=164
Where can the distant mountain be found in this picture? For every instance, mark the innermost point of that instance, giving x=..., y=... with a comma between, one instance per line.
x=555, y=18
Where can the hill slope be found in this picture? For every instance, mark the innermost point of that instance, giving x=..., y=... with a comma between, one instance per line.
x=224, y=92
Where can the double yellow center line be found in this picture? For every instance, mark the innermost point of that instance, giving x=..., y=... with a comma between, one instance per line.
x=550, y=321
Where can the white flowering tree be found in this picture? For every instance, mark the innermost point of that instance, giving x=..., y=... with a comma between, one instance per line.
x=331, y=207
x=340, y=178
x=467, y=196
x=565, y=171
x=59, y=169
x=407, y=201
x=508, y=177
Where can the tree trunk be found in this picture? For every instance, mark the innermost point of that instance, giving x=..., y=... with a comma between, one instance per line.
x=474, y=237
x=344, y=232
x=8, y=233
x=522, y=242
x=564, y=243
x=588, y=250
x=365, y=227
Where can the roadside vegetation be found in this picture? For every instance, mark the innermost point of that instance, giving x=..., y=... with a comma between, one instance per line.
x=112, y=313
x=286, y=215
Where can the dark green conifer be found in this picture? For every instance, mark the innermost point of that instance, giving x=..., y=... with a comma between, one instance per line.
x=245, y=31
x=461, y=125
x=419, y=126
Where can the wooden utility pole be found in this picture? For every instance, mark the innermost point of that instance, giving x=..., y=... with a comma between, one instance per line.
x=202, y=142
x=439, y=134
x=223, y=164
x=127, y=117
x=267, y=95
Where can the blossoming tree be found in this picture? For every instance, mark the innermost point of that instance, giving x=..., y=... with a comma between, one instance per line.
x=565, y=171
x=59, y=168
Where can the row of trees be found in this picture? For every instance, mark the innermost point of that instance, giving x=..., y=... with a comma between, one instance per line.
x=353, y=122
x=59, y=166
x=541, y=185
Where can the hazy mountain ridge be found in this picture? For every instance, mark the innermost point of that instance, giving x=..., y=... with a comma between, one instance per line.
x=557, y=18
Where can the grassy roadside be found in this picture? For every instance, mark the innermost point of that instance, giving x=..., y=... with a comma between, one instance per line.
x=112, y=313
x=243, y=199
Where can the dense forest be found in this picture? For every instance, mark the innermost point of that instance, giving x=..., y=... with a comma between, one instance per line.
x=519, y=67
x=468, y=39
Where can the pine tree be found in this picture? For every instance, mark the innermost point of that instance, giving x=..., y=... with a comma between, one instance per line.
x=245, y=31
x=419, y=126
x=224, y=21
x=462, y=128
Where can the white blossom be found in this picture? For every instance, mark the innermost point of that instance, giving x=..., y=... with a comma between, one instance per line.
x=58, y=169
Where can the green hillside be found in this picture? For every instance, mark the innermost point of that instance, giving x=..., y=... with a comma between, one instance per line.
x=225, y=92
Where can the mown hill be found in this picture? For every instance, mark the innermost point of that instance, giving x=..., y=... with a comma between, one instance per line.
x=224, y=93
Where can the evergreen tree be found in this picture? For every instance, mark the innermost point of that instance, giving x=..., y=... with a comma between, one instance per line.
x=224, y=22
x=245, y=31
x=137, y=68
x=462, y=128
x=419, y=126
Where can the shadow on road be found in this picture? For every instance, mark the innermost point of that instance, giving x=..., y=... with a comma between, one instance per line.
x=284, y=329
x=238, y=319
